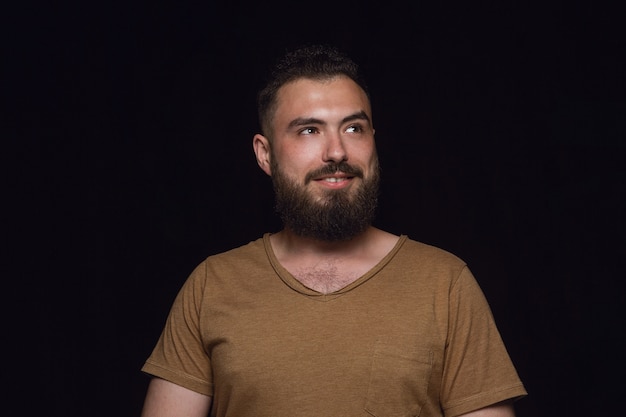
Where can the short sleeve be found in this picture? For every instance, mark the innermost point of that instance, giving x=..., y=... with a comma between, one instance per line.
x=179, y=355
x=478, y=371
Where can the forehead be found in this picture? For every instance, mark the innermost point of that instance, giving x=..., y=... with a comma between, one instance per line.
x=307, y=97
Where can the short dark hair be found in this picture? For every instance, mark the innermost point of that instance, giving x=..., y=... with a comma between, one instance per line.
x=317, y=62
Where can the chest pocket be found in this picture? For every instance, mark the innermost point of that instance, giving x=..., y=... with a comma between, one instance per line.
x=399, y=379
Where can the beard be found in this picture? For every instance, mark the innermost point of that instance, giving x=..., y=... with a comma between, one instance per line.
x=337, y=215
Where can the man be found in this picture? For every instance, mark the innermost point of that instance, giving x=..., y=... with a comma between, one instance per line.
x=330, y=316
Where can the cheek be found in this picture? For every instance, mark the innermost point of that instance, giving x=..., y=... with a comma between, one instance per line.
x=372, y=163
x=362, y=147
x=365, y=155
x=297, y=158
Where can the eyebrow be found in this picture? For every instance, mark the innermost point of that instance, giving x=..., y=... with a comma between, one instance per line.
x=361, y=115
x=302, y=121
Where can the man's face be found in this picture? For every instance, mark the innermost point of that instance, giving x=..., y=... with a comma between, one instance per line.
x=323, y=159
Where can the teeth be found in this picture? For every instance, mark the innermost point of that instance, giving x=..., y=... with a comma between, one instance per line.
x=333, y=179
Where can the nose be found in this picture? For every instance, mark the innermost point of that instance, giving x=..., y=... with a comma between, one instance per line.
x=335, y=149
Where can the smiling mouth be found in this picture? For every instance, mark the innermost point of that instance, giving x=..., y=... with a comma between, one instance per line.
x=335, y=179
x=334, y=173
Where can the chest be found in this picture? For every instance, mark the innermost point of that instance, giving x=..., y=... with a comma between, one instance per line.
x=334, y=352
x=329, y=275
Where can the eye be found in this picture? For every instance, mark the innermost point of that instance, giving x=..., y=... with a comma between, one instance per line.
x=354, y=129
x=307, y=131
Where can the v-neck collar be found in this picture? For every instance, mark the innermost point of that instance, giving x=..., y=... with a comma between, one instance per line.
x=297, y=286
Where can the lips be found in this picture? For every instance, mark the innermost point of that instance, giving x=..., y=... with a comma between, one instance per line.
x=334, y=173
x=336, y=181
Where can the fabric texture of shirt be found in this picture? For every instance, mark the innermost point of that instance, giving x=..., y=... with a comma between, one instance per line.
x=412, y=337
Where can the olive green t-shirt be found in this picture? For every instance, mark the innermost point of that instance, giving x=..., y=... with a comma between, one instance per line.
x=412, y=337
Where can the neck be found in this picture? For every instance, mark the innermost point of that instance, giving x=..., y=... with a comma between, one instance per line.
x=329, y=266
x=289, y=243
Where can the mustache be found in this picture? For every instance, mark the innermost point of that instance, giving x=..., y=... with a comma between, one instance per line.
x=332, y=168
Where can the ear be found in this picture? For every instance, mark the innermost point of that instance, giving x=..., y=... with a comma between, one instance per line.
x=263, y=153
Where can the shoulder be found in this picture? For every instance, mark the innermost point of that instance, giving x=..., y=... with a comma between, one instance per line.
x=423, y=253
x=248, y=252
x=245, y=262
x=421, y=265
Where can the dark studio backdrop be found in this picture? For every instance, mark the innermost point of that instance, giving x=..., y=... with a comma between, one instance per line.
x=128, y=160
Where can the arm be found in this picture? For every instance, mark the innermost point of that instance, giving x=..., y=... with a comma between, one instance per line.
x=166, y=399
x=502, y=409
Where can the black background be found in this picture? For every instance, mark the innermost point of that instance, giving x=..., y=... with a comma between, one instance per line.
x=127, y=130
